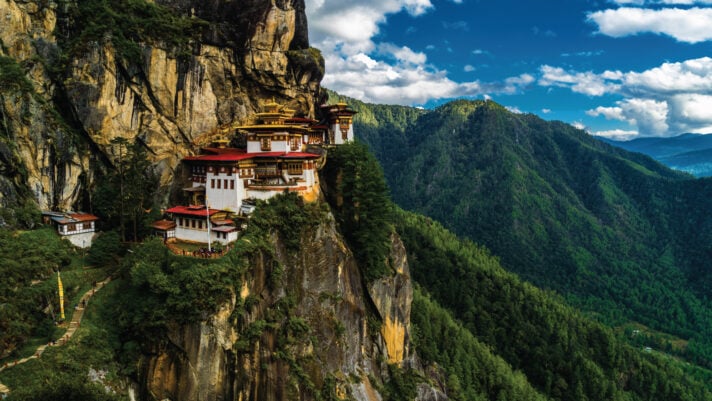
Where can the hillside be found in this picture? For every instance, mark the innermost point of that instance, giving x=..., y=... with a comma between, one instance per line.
x=315, y=313
x=691, y=153
x=619, y=234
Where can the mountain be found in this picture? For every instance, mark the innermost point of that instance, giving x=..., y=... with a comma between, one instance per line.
x=691, y=153
x=619, y=234
x=77, y=76
x=314, y=303
x=344, y=298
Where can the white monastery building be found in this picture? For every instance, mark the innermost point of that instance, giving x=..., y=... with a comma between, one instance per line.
x=282, y=153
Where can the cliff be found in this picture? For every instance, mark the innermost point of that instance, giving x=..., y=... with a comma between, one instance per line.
x=303, y=326
x=85, y=86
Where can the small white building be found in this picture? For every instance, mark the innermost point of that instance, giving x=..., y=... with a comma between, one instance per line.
x=77, y=228
x=340, y=123
x=165, y=229
x=193, y=225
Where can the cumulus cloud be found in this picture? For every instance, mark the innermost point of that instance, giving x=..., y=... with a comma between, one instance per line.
x=650, y=116
x=685, y=25
x=579, y=125
x=670, y=99
x=359, y=67
x=616, y=134
x=350, y=26
x=587, y=83
x=514, y=109
x=365, y=78
x=672, y=78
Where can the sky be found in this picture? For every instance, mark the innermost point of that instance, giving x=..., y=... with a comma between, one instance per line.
x=616, y=68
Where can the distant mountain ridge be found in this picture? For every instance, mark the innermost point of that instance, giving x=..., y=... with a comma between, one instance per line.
x=691, y=153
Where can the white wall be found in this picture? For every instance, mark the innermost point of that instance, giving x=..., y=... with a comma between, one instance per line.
x=231, y=237
x=82, y=240
x=337, y=134
x=224, y=198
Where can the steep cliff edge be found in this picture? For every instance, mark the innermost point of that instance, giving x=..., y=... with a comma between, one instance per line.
x=303, y=326
x=57, y=132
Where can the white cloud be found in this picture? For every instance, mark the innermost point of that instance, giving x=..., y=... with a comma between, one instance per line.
x=579, y=125
x=514, y=109
x=650, y=116
x=666, y=100
x=370, y=80
x=685, y=25
x=359, y=67
x=616, y=134
x=672, y=78
x=402, y=54
x=546, y=111
x=350, y=26
x=587, y=83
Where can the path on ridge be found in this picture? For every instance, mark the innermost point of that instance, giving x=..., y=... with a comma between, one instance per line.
x=71, y=329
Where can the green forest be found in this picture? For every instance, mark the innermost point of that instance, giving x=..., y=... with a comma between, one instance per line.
x=491, y=335
x=619, y=235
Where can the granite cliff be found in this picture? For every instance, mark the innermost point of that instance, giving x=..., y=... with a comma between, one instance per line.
x=302, y=326
x=67, y=101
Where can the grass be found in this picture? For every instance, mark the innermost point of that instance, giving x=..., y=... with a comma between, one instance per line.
x=82, y=279
x=91, y=346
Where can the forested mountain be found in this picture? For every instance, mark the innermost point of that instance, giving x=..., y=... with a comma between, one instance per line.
x=314, y=300
x=481, y=323
x=688, y=152
x=619, y=234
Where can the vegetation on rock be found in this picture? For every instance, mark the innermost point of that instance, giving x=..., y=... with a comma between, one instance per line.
x=359, y=196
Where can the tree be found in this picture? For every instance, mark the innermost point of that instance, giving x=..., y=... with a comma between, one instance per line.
x=359, y=194
x=128, y=193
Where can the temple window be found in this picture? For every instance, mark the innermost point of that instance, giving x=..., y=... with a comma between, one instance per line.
x=266, y=144
x=295, y=168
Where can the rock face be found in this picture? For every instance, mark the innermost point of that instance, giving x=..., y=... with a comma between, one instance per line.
x=60, y=132
x=301, y=326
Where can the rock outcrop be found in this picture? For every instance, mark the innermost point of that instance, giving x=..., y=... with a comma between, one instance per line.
x=59, y=133
x=302, y=325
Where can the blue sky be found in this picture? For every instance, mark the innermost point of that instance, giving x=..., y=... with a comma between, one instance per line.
x=616, y=68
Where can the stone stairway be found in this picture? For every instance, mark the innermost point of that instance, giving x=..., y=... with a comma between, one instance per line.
x=71, y=329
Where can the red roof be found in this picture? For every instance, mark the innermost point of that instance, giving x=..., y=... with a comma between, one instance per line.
x=191, y=211
x=235, y=156
x=83, y=217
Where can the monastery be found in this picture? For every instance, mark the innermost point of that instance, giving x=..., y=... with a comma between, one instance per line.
x=281, y=153
x=78, y=228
